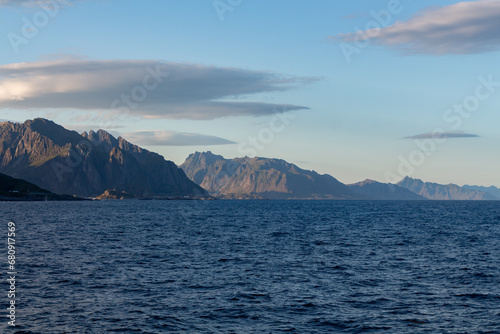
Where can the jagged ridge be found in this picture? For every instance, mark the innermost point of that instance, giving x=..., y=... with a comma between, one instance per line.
x=63, y=161
x=261, y=178
x=442, y=192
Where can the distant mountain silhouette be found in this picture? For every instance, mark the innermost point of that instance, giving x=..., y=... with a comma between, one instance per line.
x=63, y=161
x=383, y=191
x=442, y=192
x=261, y=178
x=493, y=191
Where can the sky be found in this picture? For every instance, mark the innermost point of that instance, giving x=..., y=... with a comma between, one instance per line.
x=361, y=89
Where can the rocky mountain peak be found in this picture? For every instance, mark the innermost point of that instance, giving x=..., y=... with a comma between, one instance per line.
x=101, y=138
x=47, y=128
x=260, y=178
x=62, y=161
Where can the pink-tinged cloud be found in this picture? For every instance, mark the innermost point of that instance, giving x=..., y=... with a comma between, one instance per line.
x=144, y=88
x=173, y=138
x=464, y=28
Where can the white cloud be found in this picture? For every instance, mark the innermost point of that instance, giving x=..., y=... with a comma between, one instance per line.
x=149, y=89
x=172, y=138
x=463, y=28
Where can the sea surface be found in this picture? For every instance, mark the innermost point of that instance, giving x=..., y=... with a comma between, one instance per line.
x=254, y=267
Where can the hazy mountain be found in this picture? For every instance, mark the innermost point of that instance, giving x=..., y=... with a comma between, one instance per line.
x=261, y=178
x=493, y=191
x=382, y=191
x=64, y=161
x=442, y=192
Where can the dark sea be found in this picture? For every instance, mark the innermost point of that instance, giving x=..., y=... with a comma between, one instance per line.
x=254, y=267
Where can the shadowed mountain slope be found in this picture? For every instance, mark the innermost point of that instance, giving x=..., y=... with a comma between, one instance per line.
x=12, y=189
x=63, y=161
x=383, y=191
x=261, y=178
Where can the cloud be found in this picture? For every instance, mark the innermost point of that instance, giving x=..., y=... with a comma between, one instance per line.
x=145, y=88
x=17, y=3
x=462, y=28
x=36, y=3
x=172, y=138
x=87, y=127
x=443, y=135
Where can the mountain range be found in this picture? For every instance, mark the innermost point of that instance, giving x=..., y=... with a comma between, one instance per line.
x=244, y=178
x=384, y=191
x=493, y=191
x=98, y=165
x=87, y=164
x=436, y=191
x=261, y=178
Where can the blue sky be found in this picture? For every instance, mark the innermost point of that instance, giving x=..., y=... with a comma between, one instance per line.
x=270, y=78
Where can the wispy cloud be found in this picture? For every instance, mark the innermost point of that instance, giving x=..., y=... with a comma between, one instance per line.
x=463, y=28
x=174, y=90
x=172, y=138
x=35, y=3
x=87, y=127
x=17, y=3
x=40, y=3
x=443, y=135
